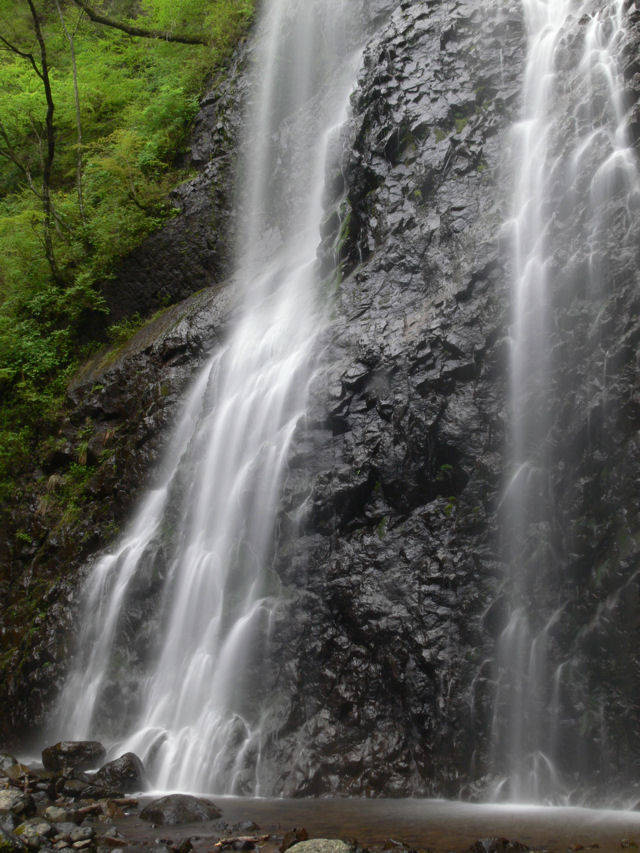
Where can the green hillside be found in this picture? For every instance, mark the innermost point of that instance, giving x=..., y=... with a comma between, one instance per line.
x=96, y=104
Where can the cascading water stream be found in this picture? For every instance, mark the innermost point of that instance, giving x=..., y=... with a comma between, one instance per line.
x=570, y=154
x=173, y=659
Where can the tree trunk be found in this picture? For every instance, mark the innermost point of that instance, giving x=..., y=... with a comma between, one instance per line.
x=74, y=67
x=51, y=144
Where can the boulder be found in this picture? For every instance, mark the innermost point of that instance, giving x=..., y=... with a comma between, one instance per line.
x=125, y=773
x=64, y=829
x=16, y=802
x=35, y=832
x=69, y=756
x=322, y=845
x=292, y=837
x=81, y=833
x=180, y=808
x=9, y=821
x=6, y=761
x=56, y=814
x=17, y=772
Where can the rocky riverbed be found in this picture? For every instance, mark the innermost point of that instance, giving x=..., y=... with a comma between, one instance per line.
x=61, y=805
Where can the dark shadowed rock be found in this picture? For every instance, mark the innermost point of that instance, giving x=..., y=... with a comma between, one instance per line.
x=68, y=756
x=9, y=821
x=293, y=836
x=192, y=250
x=125, y=773
x=10, y=843
x=35, y=832
x=497, y=845
x=80, y=789
x=180, y=808
x=400, y=465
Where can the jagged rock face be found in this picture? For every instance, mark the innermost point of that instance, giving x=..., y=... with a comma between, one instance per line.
x=397, y=560
x=396, y=583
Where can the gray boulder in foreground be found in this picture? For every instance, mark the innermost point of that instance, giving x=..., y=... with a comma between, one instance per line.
x=180, y=808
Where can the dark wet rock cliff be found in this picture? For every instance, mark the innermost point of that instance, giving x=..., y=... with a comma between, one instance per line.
x=393, y=580
x=397, y=560
x=193, y=249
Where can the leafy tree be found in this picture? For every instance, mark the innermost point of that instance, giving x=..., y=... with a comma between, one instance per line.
x=15, y=42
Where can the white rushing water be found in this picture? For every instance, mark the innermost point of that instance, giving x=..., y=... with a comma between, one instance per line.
x=186, y=689
x=570, y=152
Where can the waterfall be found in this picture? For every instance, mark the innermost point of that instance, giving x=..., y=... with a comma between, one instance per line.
x=173, y=654
x=575, y=204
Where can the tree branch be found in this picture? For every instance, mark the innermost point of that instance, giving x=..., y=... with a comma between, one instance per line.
x=138, y=31
x=21, y=53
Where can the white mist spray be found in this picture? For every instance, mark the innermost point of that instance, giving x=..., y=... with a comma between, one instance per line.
x=570, y=152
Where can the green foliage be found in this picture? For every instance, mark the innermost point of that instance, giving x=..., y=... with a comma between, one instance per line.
x=444, y=473
x=120, y=332
x=461, y=122
x=137, y=101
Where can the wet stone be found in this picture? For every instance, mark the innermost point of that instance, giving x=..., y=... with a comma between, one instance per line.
x=6, y=761
x=56, y=814
x=12, y=800
x=17, y=772
x=81, y=833
x=111, y=840
x=78, y=789
x=497, y=845
x=34, y=833
x=9, y=821
x=322, y=845
x=125, y=773
x=69, y=756
x=180, y=808
x=294, y=836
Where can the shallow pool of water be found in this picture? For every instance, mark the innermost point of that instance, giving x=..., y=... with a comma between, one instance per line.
x=439, y=825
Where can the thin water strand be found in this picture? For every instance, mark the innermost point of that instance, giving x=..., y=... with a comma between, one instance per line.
x=173, y=659
x=570, y=151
